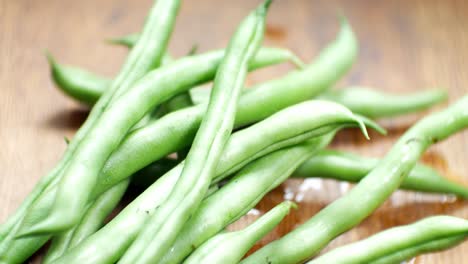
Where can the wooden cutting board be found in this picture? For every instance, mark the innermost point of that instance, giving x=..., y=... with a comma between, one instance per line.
x=404, y=46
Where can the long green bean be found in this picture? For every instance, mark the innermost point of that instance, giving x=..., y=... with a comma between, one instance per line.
x=230, y=247
x=369, y=194
x=285, y=128
x=377, y=104
x=395, y=239
x=428, y=247
x=346, y=166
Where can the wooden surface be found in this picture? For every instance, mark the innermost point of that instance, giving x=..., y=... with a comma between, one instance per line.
x=404, y=46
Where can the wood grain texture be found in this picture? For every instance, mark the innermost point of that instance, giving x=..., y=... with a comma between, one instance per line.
x=404, y=46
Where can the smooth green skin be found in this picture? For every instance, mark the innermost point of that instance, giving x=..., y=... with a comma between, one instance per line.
x=113, y=125
x=395, y=239
x=176, y=130
x=86, y=87
x=428, y=247
x=249, y=185
x=345, y=166
x=89, y=224
x=349, y=210
x=215, y=129
x=285, y=128
x=229, y=248
x=377, y=104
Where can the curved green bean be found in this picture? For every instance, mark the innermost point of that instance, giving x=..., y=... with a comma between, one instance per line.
x=428, y=247
x=369, y=194
x=249, y=185
x=215, y=129
x=143, y=57
x=86, y=87
x=230, y=247
x=395, y=239
x=81, y=85
x=107, y=134
x=346, y=166
x=285, y=128
x=377, y=104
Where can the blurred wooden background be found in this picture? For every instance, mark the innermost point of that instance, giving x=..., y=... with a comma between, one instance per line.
x=404, y=46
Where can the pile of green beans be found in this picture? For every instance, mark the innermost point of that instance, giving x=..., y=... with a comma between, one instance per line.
x=159, y=138
x=233, y=146
x=242, y=148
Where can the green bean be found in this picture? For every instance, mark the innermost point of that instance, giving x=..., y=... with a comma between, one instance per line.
x=395, y=239
x=176, y=130
x=370, y=193
x=285, y=128
x=428, y=247
x=376, y=104
x=81, y=85
x=86, y=87
x=346, y=166
x=150, y=46
x=203, y=157
x=249, y=186
x=115, y=122
x=230, y=247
